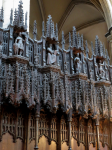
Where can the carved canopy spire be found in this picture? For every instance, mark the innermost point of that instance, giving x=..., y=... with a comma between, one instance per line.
x=1, y=17
x=35, y=30
x=19, y=17
x=63, y=41
x=50, y=29
x=74, y=37
x=11, y=16
x=70, y=39
x=26, y=20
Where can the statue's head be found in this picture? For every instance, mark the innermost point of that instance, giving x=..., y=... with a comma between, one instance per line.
x=20, y=33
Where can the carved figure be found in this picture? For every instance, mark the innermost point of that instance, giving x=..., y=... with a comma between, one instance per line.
x=18, y=45
x=77, y=63
x=51, y=58
x=101, y=70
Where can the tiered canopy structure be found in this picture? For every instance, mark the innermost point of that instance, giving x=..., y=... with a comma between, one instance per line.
x=43, y=78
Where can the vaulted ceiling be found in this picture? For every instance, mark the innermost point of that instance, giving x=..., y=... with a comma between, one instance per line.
x=86, y=15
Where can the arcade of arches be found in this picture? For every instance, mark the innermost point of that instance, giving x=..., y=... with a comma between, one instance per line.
x=91, y=18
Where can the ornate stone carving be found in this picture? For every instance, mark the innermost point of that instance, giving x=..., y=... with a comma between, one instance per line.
x=77, y=64
x=51, y=57
x=43, y=76
x=101, y=71
x=18, y=45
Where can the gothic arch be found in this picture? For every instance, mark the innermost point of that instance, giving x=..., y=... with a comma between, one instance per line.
x=72, y=5
x=107, y=8
x=43, y=144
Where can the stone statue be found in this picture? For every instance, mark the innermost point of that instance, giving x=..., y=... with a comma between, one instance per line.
x=77, y=63
x=18, y=45
x=51, y=58
x=101, y=70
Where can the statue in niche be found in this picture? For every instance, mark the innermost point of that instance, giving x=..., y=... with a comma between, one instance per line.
x=77, y=63
x=101, y=71
x=51, y=57
x=18, y=45
x=96, y=71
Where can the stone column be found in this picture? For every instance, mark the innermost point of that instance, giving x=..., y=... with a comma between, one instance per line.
x=59, y=130
x=13, y=4
x=97, y=133
x=86, y=137
x=69, y=129
x=43, y=51
x=110, y=135
x=37, y=115
x=107, y=9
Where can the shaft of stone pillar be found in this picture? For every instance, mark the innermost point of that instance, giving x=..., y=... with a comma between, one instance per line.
x=69, y=128
x=97, y=132
x=69, y=135
x=110, y=135
x=37, y=115
x=36, y=133
x=44, y=52
x=59, y=133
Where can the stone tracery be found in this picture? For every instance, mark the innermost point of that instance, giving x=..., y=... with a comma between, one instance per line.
x=69, y=83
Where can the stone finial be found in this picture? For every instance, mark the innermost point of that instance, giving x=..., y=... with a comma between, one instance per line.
x=11, y=16
x=101, y=49
x=92, y=48
x=96, y=45
x=70, y=39
x=26, y=20
x=35, y=30
x=52, y=30
x=78, y=41
x=15, y=17
x=87, y=50
x=43, y=29
x=48, y=26
x=82, y=46
x=74, y=37
x=63, y=41
x=1, y=17
x=19, y=16
x=56, y=32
